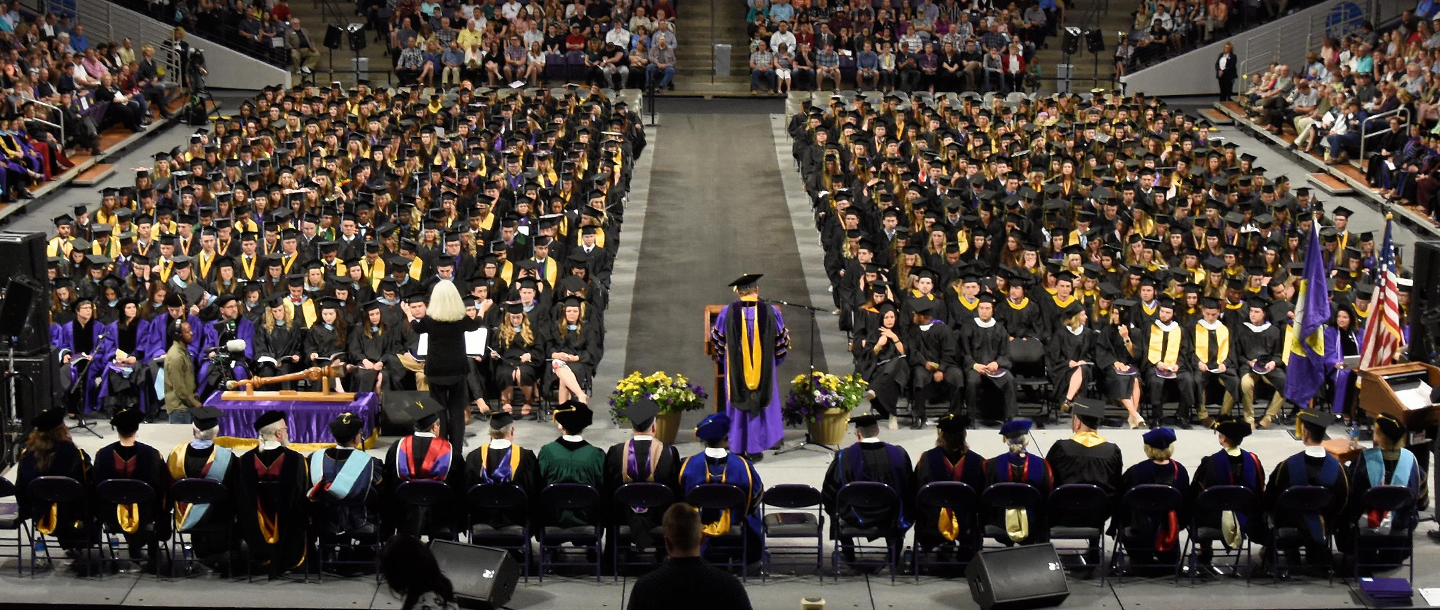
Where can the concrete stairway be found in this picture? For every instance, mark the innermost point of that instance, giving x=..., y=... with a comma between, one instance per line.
x=699, y=26
x=315, y=20
x=1114, y=16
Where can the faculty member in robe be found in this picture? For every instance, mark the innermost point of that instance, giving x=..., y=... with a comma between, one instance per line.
x=870, y=459
x=502, y=461
x=271, y=509
x=1230, y=466
x=1389, y=462
x=950, y=460
x=641, y=459
x=345, y=481
x=1148, y=530
x=572, y=459
x=1311, y=466
x=142, y=524
x=423, y=455
x=208, y=525
x=50, y=452
x=85, y=346
x=717, y=464
x=1017, y=465
x=751, y=341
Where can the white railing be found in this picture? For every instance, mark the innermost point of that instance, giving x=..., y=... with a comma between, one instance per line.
x=60, y=126
x=1365, y=134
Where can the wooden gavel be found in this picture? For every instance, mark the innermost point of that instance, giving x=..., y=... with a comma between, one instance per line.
x=323, y=374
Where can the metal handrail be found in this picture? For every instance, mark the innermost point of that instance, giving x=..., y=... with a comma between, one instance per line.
x=1403, y=111
x=57, y=109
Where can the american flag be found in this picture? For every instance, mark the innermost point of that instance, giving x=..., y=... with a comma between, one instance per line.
x=1382, y=332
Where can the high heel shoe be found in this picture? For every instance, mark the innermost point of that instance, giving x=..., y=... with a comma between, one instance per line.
x=1135, y=421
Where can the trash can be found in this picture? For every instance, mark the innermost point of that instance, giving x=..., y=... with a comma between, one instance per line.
x=722, y=59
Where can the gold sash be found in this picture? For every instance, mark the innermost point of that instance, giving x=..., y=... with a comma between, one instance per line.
x=1202, y=343
x=1157, y=339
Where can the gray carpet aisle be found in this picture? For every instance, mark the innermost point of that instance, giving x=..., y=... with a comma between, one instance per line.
x=716, y=210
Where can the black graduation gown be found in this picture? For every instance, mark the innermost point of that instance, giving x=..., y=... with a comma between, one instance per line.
x=525, y=475
x=1063, y=347
x=277, y=344
x=1101, y=465
x=378, y=347
x=72, y=524
x=585, y=344
x=323, y=342
x=938, y=464
x=875, y=465
x=272, y=510
x=1208, y=475
x=212, y=534
x=666, y=471
x=144, y=463
x=1020, y=321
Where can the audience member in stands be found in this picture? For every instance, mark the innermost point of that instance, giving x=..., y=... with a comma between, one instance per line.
x=686, y=575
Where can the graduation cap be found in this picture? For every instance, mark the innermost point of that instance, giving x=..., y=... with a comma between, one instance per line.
x=1016, y=428
x=205, y=417
x=642, y=413
x=1391, y=427
x=950, y=424
x=1314, y=420
x=1342, y=211
x=1089, y=410
x=574, y=416
x=345, y=426
x=1234, y=429
x=713, y=428
x=864, y=420
x=1160, y=438
x=49, y=419
x=267, y=418
x=746, y=281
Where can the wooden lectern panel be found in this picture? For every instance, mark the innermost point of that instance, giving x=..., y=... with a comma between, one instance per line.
x=711, y=313
x=1376, y=396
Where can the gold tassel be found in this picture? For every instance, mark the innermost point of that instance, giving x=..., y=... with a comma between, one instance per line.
x=720, y=527
x=46, y=525
x=949, y=525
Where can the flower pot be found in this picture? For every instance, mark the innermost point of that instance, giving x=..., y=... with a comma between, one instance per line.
x=829, y=429
x=666, y=425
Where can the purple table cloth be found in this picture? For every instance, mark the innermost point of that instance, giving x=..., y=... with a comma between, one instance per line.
x=309, y=421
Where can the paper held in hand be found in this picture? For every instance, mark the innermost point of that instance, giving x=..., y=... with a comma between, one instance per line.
x=474, y=343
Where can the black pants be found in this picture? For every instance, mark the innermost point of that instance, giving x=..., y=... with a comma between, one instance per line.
x=1006, y=386
x=454, y=398
x=1227, y=89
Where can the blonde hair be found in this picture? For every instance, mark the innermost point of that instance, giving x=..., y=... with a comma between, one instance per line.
x=507, y=334
x=445, y=303
x=1158, y=454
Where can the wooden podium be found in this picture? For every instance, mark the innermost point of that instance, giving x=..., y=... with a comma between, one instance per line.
x=712, y=312
x=1377, y=396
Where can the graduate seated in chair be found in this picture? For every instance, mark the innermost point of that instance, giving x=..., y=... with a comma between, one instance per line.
x=870, y=459
x=346, y=480
x=1313, y=466
x=717, y=464
x=572, y=459
x=985, y=356
x=1018, y=465
x=141, y=524
x=208, y=526
x=1160, y=532
x=273, y=516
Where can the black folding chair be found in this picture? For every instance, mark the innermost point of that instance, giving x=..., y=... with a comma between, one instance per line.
x=1078, y=511
x=271, y=492
x=13, y=521
x=1009, y=496
x=576, y=497
x=865, y=496
x=802, y=517
x=723, y=496
x=1398, y=503
x=653, y=498
x=195, y=491
x=116, y=493
x=964, y=504
x=430, y=496
x=1216, y=501
x=364, y=540
x=1302, y=501
x=56, y=490
x=497, y=498
x=1155, y=501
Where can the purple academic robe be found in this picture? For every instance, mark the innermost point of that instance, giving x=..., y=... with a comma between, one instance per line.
x=1342, y=379
x=138, y=354
x=155, y=345
x=102, y=351
x=755, y=432
x=244, y=330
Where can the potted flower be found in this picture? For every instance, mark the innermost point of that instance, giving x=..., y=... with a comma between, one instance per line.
x=823, y=402
x=675, y=395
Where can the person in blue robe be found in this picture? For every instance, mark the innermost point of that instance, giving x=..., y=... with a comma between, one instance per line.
x=1018, y=465
x=1344, y=338
x=1312, y=466
x=1148, y=530
x=870, y=459
x=1389, y=462
x=124, y=383
x=345, y=481
x=1230, y=466
x=751, y=341
x=81, y=343
x=717, y=464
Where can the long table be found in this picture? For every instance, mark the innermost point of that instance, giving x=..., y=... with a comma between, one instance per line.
x=309, y=421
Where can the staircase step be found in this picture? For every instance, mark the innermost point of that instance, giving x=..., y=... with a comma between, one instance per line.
x=94, y=175
x=1330, y=184
x=1216, y=117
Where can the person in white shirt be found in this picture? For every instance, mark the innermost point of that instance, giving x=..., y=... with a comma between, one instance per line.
x=619, y=36
x=510, y=10
x=783, y=36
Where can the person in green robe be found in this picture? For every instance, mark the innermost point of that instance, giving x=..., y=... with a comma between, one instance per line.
x=572, y=459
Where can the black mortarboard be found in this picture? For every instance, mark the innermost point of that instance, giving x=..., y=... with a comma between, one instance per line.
x=267, y=418
x=574, y=416
x=49, y=419
x=641, y=413
x=747, y=280
x=864, y=420
x=345, y=426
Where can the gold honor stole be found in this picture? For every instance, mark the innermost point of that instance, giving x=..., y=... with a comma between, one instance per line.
x=1202, y=342
x=1171, y=349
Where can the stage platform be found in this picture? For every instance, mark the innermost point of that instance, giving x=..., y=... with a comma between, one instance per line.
x=852, y=591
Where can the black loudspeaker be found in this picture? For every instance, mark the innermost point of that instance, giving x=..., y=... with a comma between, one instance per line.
x=1424, y=300
x=1018, y=577
x=334, y=36
x=1071, y=42
x=357, y=37
x=24, y=319
x=37, y=384
x=479, y=573
x=1094, y=41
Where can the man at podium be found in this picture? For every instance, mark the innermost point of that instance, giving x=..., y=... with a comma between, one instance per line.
x=750, y=342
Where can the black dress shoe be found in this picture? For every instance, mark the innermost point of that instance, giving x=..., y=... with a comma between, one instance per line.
x=1434, y=535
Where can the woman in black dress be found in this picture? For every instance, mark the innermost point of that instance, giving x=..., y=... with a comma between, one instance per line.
x=325, y=341
x=278, y=341
x=880, y=358
x=574, y=349
x=1069, y=355
x=517, y=358
x=372, y=349
x=446, y=361
x=1117, y=360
